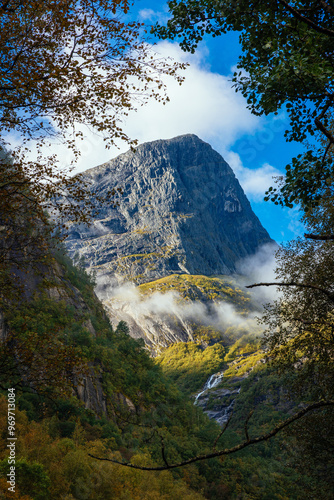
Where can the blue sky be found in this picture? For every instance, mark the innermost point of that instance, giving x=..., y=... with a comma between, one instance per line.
x=254, y=147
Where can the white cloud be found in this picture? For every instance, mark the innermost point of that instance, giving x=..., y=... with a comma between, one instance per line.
x=127, y=300
x=260, y=268
x=147, y=14
x=205, y=104
x=295, y=225
x=254, y=182
x=154, y=16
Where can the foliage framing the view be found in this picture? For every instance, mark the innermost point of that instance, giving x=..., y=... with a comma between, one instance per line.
x=287, y=62
x=65, y=65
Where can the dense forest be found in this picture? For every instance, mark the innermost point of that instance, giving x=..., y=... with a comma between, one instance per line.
x=146, y=416
x=95, y=417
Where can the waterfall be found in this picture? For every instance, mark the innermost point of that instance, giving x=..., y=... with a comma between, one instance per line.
x=221, y=416
x=221, y=412
x=212, y=381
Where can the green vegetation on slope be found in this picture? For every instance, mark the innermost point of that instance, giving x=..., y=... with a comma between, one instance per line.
x=198, y=287
x=188, y=364
x=53, y=466
x=249, y=473
x=147, y=401
x=144, y=406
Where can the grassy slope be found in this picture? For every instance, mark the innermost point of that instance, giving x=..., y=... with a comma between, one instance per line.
x=198, y=287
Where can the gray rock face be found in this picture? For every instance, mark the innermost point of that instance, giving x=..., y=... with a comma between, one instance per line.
x=158, y=330
x=182, y=211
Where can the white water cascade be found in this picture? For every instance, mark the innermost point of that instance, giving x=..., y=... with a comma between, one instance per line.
x=212, y=381
x=221, y=413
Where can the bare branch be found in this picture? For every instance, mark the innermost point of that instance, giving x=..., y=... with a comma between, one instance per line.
x=328, y=294
x=222, y=432
x=246, y=425
x=163, y=451
x=324, y=237
x=229, y=451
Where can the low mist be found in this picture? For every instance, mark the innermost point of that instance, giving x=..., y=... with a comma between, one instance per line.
x=218, y=314
x=259, y=268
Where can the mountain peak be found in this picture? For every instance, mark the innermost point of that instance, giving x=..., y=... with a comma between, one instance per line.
x=182, y=211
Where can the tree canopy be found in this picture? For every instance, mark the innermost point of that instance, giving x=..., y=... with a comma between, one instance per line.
x=64, y=65
x=286, y=62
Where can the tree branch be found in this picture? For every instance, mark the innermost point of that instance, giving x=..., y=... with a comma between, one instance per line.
x=321, y=126
x=319, y=237
x=229, y=451
x=222, y=432
x=246, y=425
x=328, y=294
x=326, y=151
x=326, y=6
x=298, y=15
x=163, y=451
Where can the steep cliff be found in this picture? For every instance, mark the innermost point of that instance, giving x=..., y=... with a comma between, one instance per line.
x=182, y=211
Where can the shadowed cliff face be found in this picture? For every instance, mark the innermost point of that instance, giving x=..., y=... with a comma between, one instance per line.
x=182, y=211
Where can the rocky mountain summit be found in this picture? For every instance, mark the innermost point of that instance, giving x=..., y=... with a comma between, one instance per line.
x=181, y=210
